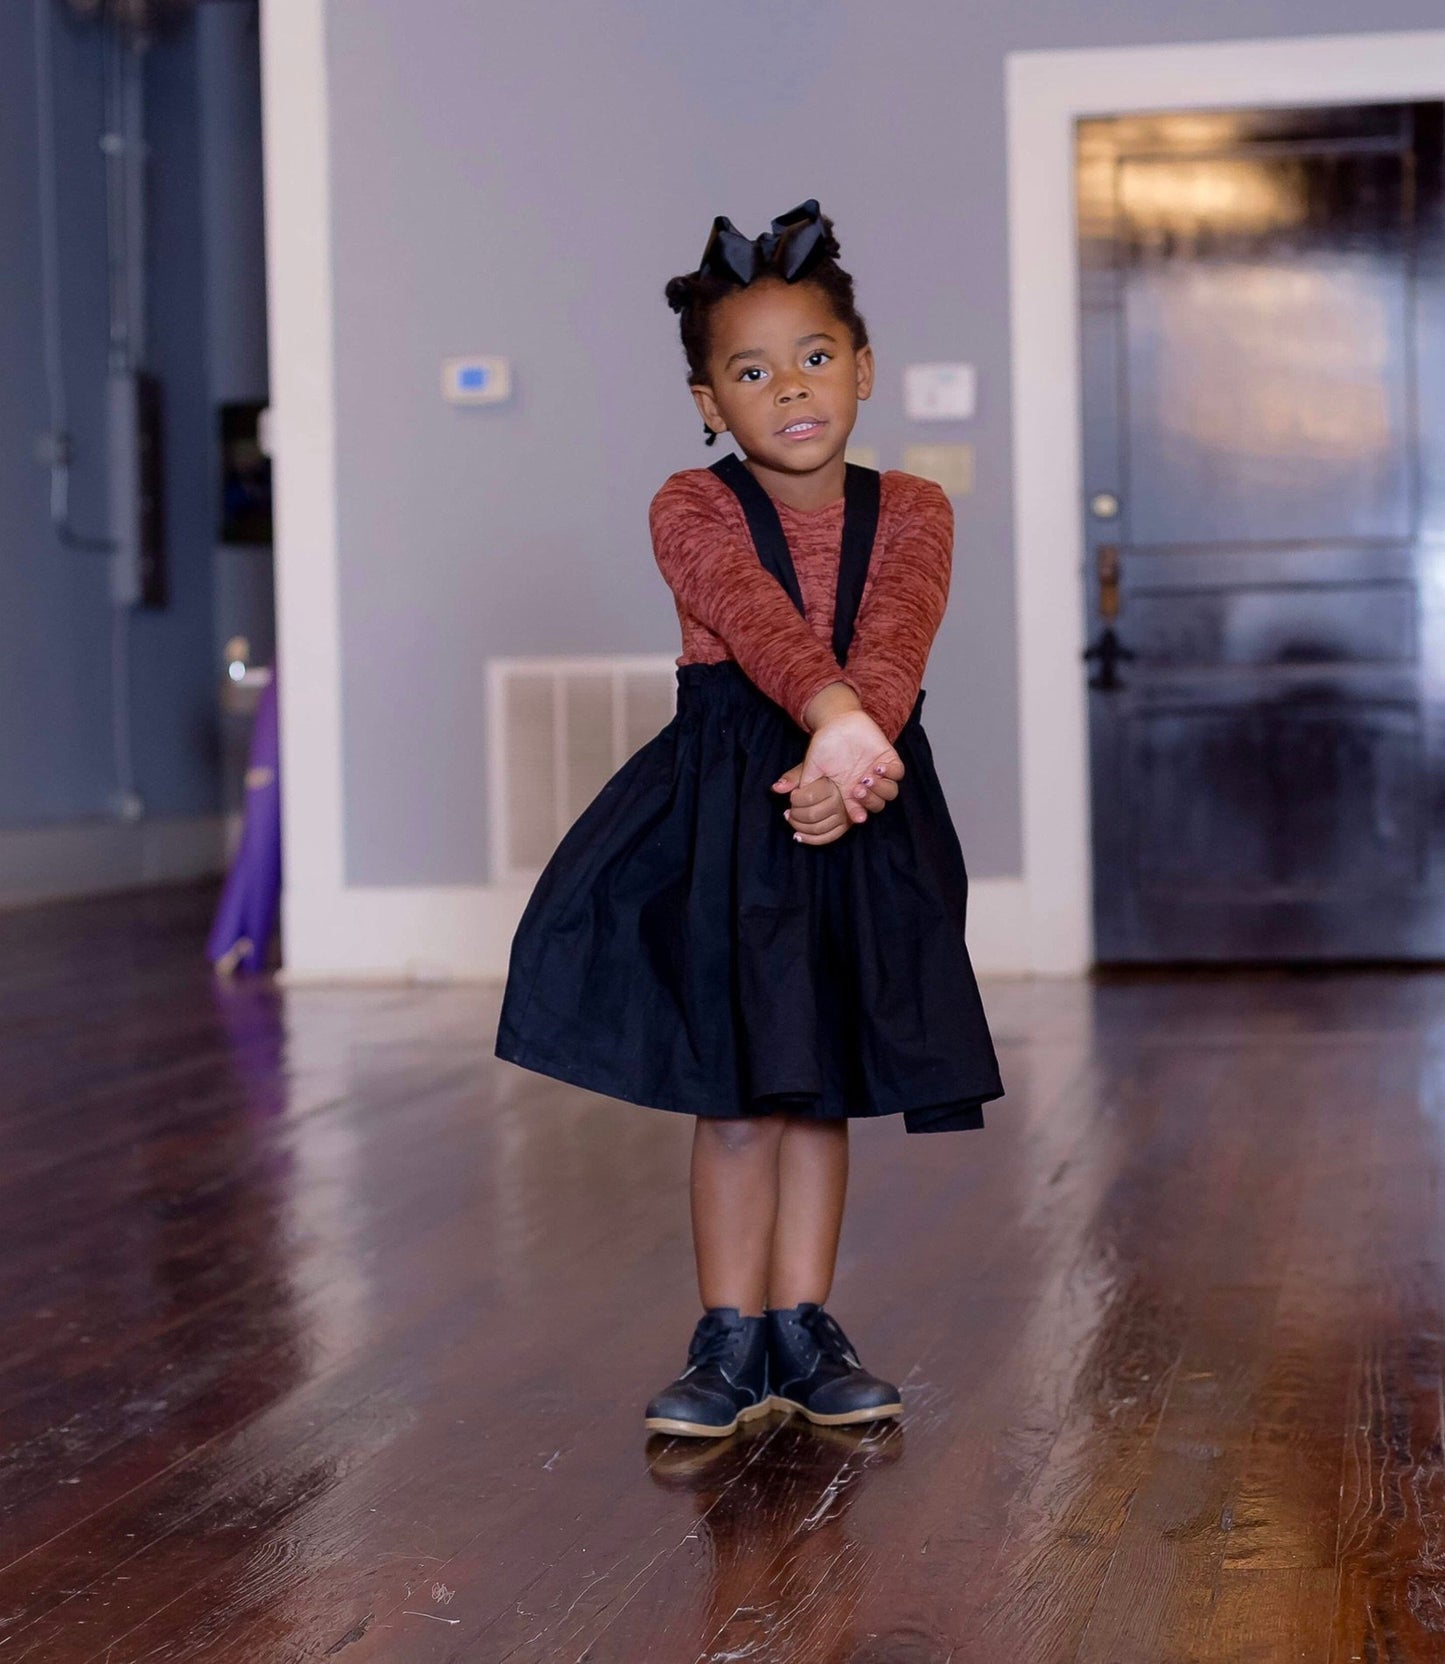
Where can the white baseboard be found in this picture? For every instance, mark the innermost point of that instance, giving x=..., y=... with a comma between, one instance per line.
x=465, y=932
x=998, y=926
x=96, y=857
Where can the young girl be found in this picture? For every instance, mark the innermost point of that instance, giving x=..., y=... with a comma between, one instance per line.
x=759, y=921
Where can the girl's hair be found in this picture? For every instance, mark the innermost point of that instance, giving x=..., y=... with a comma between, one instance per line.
x=694, y=295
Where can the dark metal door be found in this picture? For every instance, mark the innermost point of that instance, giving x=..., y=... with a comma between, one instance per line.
x=1264, y=404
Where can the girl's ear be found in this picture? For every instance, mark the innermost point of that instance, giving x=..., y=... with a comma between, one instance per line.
x=865, y=371
x=707, y=408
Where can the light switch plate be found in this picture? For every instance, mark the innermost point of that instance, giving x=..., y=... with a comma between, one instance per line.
x=477, y=379
x=951, y=466
x=940, y=392
x=862, y=456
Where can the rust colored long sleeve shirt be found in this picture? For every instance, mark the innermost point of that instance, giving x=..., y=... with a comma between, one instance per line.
x=729, y=607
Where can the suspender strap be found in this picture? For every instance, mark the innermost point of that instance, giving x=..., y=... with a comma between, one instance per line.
x=763, y=522
x=861, y=495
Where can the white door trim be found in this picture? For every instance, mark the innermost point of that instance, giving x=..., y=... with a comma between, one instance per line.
x=1046, y=93
x=329, y=928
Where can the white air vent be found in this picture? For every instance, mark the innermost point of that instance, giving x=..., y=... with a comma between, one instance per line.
x=557, y=730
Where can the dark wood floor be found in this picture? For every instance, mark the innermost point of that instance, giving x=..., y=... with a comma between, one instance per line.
x=325, y=1336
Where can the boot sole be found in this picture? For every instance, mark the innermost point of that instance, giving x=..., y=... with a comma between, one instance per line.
x=849, y=1418
x=704, y=1429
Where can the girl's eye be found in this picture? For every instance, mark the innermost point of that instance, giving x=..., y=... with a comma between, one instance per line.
x=815, y=360
x=752, y=373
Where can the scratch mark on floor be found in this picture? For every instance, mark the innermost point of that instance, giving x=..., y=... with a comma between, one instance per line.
x=582, y=1591
x=835, y=1487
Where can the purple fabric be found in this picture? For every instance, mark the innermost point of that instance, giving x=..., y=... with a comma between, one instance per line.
x=246, y=917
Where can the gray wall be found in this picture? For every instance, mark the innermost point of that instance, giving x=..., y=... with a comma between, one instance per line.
x=523, y=180
x=175, y=668
x=54, y=619
x=55, y=687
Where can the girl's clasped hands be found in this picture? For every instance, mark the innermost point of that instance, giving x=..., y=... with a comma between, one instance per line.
x=849, y=773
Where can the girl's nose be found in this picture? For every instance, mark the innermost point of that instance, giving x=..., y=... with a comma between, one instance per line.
x=787, y=395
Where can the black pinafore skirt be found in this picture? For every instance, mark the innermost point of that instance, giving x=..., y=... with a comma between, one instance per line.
x=682, y=951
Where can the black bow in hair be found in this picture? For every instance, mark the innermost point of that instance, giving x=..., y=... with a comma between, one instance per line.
x=797, y=241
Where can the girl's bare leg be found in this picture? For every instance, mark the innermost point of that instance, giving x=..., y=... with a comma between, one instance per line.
x=812, y=1188
x=734, y=1209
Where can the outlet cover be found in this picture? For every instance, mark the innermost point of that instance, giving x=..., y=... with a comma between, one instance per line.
x=940, y=392
x=951, y=466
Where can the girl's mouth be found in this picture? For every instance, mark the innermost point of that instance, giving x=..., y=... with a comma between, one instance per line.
x=804, y=428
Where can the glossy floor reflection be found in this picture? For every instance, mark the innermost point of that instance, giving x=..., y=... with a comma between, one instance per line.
x=327, y=1337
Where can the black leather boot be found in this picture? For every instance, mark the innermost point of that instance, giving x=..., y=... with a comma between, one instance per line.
x=815, y=1370
x=725, y=1382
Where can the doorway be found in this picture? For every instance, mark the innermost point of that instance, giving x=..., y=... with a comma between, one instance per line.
x=1047, y=93
x=1261, y=300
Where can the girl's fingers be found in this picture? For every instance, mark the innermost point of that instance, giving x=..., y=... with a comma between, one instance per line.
x=818, y=814
x=823, y=828
x=823, y=823
x=814, y=793
x=877, y=796
x=811, y=815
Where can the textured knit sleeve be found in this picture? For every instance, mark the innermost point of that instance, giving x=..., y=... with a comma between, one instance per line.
x=712, y=568
x=900, y=617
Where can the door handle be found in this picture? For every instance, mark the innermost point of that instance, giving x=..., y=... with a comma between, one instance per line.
x=1108, y=652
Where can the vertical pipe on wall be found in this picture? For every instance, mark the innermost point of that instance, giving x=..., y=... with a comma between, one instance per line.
x=124, y=146
x=56, y=444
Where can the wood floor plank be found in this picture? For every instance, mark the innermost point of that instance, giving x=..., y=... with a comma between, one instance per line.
x=1286, y=1511
x=1391, y=1588
x=1270, y=1615
x=1161, y=1578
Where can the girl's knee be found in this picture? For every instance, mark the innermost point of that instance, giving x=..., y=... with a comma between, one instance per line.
x=814, y=1127
x=739, y=1137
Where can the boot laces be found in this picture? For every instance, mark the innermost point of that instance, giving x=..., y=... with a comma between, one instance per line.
x=714, y=1342
x=827, y=1335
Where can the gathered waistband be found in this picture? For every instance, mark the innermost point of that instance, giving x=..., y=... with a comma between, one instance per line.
x=708, y=686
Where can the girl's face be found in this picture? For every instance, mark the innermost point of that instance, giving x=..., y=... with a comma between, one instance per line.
x=783, y=376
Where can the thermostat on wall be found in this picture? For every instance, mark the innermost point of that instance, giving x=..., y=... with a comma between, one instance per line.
x=477, y=380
